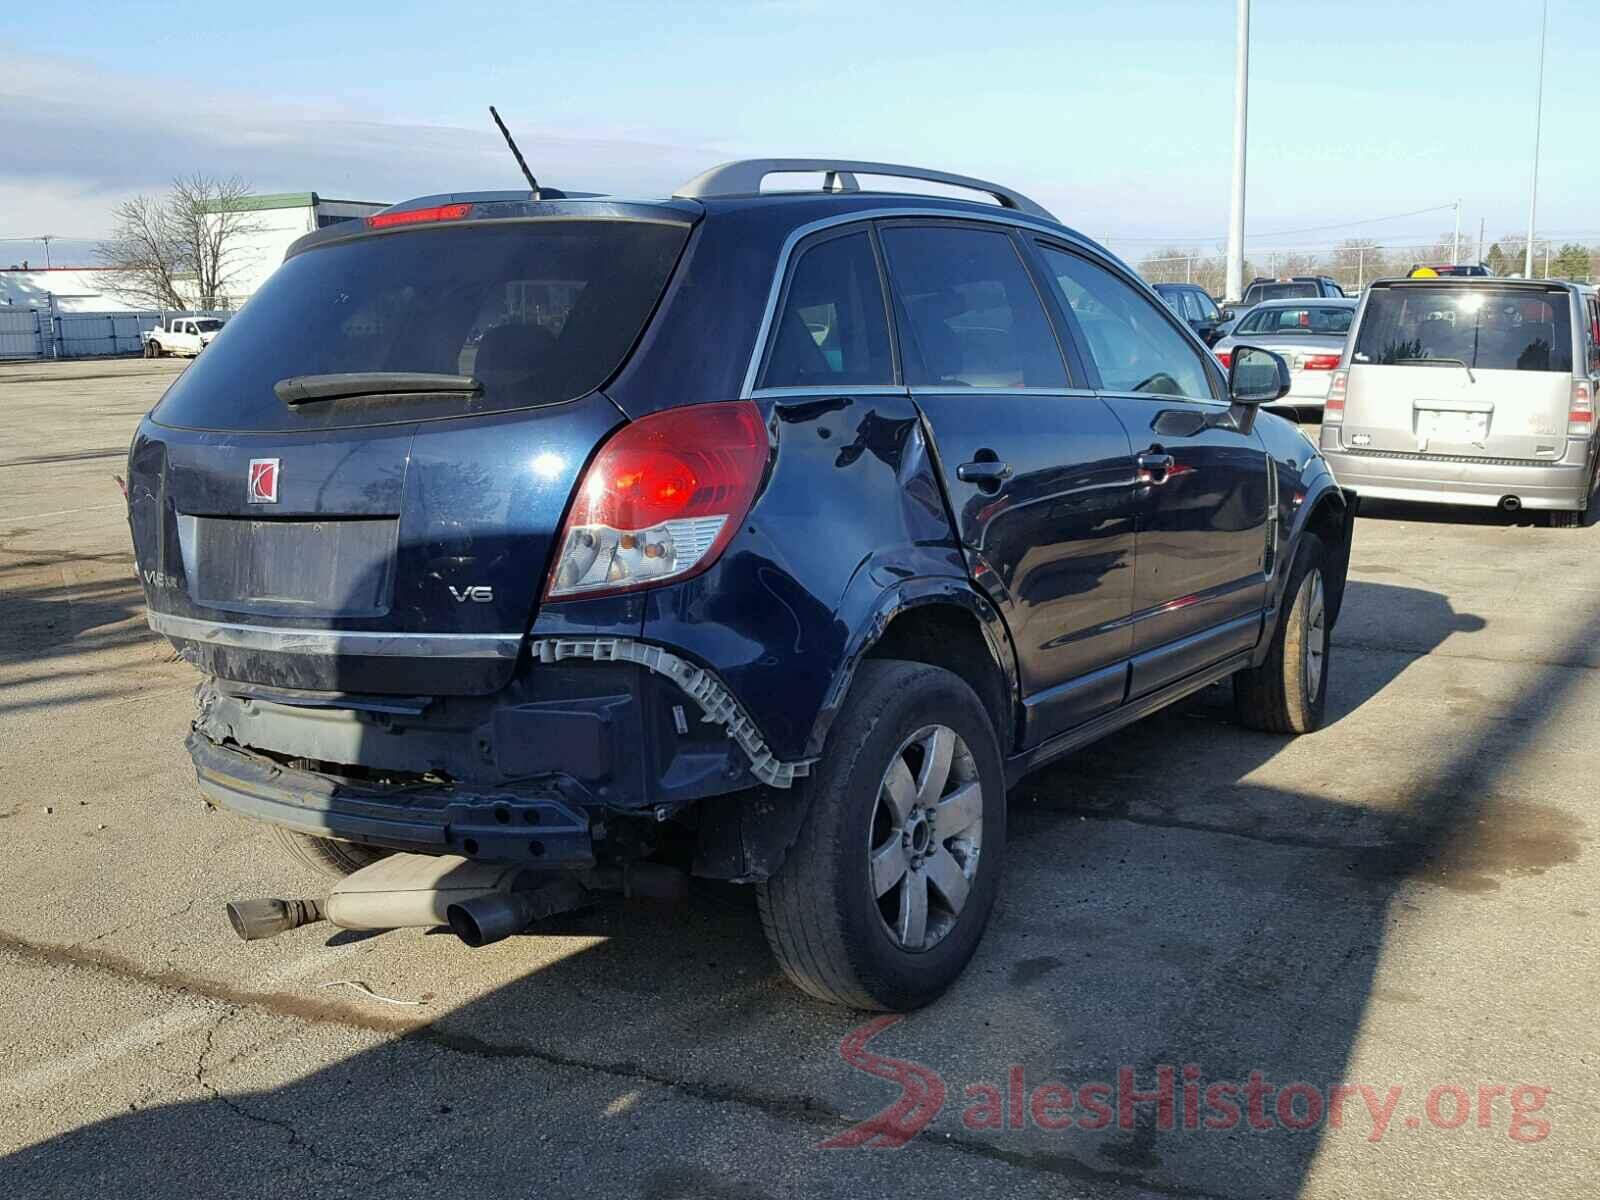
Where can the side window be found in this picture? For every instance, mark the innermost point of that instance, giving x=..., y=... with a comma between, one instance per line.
x=1208, y=310
x=1191, y=306
x=969, y=313
x=1135, y=347
x=832, y=329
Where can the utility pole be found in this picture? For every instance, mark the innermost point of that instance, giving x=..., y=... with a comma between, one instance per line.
x=1455, y=245
x=1538, y=119
x=46, y=240
x=1481, y=223
x=1241, y=110
x=1361, y=266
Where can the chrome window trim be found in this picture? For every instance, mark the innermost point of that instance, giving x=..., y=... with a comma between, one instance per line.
x=366, y=643
x=861, y=389
x=956, y=389
x=865, y=217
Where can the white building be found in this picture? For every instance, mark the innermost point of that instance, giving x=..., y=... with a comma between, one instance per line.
x=281, y=219
x=75, y=289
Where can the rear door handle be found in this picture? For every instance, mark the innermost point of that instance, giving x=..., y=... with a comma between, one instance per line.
x=1154, y=466
x=983, y=472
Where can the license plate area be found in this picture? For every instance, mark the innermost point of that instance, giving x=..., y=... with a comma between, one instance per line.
x=1454, y=425
x=320, y=567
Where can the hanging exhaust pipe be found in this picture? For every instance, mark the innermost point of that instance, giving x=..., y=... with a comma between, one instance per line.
x=253, y=920
x=484, y=920
x=1510, y=503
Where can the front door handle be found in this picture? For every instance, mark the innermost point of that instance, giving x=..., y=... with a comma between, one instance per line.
x=982, y=473
x=1155, y=466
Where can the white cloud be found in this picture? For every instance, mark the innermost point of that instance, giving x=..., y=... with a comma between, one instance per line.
x=79, y=140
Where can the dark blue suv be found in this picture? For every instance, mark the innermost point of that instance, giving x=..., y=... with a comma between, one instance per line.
x=764, y=536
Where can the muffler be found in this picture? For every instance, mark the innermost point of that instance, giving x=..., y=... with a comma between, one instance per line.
x=481, y=902
x=1510, y=503
x=397, y=892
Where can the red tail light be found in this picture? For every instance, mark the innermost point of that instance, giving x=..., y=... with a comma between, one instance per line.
x=1333, y=406
x=418, y=216
x=1322, y=362
x=1580, y=414
x=661, y=500
x=1225, y=357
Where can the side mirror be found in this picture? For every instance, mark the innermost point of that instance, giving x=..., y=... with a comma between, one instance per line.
x=1255, y=377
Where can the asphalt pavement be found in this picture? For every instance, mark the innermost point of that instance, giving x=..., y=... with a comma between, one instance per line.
x=1376, y=944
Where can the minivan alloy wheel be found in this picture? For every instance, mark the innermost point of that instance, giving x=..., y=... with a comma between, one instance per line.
x=925, y=837
x=1316, y=636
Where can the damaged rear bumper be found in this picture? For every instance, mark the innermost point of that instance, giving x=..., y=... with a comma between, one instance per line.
x=491, y=825
x=587, y=728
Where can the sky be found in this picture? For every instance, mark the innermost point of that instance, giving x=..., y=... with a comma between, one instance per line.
x=1116, y=116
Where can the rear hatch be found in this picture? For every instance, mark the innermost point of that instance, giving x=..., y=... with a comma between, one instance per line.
x=1310, y=337
x=1470, y=368
x=357, y=487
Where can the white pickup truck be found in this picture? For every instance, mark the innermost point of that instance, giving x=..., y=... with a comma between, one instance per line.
x=180, y=335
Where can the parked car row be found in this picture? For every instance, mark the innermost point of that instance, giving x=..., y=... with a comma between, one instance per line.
x=777, y=537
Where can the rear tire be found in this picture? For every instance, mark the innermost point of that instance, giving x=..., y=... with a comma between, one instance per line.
x=882, y=900
x=1289, y=692
x=326, y=856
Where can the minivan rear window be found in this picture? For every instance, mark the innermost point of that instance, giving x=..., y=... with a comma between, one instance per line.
x=1488, y=328
x=537, y=312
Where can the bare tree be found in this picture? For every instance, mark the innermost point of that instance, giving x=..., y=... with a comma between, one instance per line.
x=181, y=250
x=143, y=254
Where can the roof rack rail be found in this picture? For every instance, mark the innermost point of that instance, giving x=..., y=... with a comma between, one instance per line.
x=743, y=178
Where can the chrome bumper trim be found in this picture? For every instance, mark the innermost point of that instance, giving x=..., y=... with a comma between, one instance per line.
x=337, y=641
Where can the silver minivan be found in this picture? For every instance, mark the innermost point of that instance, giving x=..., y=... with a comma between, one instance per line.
x=1475, y=391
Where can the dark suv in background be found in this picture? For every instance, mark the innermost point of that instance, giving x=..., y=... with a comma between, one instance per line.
x=770, y=535
x=1195, y=305
x=1290, y=287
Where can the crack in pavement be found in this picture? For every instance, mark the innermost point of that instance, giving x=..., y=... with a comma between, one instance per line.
x=295, y=1139
x=803, y=1108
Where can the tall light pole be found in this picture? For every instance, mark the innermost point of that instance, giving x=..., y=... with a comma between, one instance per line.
x=1538, y=119
x=1241, y=111
x=1455, y=245
x=46, y=239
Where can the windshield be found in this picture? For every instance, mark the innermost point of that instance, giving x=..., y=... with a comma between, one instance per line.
x=538, y=312
x=1296, y=318
x=1488, y=328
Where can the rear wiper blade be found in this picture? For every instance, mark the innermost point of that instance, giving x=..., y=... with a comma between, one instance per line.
x=1447, y=362
x=303, y=389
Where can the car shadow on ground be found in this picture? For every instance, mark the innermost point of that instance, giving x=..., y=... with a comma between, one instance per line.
x=1161, y=909
x=1406, y=512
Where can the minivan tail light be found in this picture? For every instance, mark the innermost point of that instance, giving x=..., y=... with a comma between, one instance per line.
x=1333, y=406
x=661, y=500
x=419, y=216
x=1322, y=362
x=1580, y=414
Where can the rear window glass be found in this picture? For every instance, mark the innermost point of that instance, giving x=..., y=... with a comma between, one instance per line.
x=1488, y=328
x=1282, y=291
x=538, y=312
x=833, y=329
x=1299, y=318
